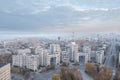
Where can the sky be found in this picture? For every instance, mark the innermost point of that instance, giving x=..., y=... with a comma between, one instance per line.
x=45, y=16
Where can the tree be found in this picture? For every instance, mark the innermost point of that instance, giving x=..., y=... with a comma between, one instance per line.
x=104, y=73
x=56, y=77
x=69, y=74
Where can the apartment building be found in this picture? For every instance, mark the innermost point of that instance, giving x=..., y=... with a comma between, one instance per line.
x=29, y=61
x=5, y=73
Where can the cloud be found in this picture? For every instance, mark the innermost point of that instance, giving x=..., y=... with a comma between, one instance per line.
x=59, y=15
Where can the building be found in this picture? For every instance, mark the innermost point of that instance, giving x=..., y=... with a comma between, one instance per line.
x=87, y=50
x=42, y=52
x=18, y=60
x=53, y=54
x=53, y=58
x=100, y=56
x=32, y=62
x=55, y=48
x=23, y=51
x=73, y=51
x=82, y=56
x=65, y=56
x=26, y=61
x=5, y=73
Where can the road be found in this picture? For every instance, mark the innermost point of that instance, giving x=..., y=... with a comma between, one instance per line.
x=111, y=57
x=82, y=70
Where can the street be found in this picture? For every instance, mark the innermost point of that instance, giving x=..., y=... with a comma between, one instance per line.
x=111, y=57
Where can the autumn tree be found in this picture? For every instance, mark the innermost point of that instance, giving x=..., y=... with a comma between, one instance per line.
x=56, y=77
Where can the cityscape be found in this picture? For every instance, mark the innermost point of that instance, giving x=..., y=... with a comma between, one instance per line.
x=60, y=40
x=89, y=58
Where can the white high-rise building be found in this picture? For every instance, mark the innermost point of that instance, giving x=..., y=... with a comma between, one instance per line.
x=87, y=51
x=73, y=50
x=55, y=48
x=53, y=56
x=32, y=62
x=18, y=60
x=65, y=56
x=29, y=61
x=100, y=56
x=53, y=59
x=42, y=54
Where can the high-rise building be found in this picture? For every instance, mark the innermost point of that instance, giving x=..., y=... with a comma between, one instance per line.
x=5, y=73
x=29, y=61
x=65, y=56
x=87, y=50
x=73, y=50
x=55, y=48
x=100, y=56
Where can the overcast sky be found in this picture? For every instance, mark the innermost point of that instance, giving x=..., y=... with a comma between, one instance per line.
x=35, y=16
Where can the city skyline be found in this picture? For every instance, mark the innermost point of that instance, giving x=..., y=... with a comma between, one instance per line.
x=36, y=16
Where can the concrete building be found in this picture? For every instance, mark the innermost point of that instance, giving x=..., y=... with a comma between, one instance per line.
x=53, y=54
x=54, y=48
x=5, y=73
x=81, y=57
x=43, y=54
x=93, y=56
x=29, y=61
x=100, y=56
x=23, y=51
x=53, y=58
x=87, y=50
x=32, y=62
x=65, y=56
x=73, y=50
x=18, y=60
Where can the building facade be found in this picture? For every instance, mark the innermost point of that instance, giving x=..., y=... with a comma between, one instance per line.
x=26, y=61
x=65, y=57
x=5, y=73
x=73, y=51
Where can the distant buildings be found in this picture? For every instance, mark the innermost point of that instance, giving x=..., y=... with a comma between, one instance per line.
x=5, y=72
x=54, y=53
x=22, y=51
x=42, y=57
